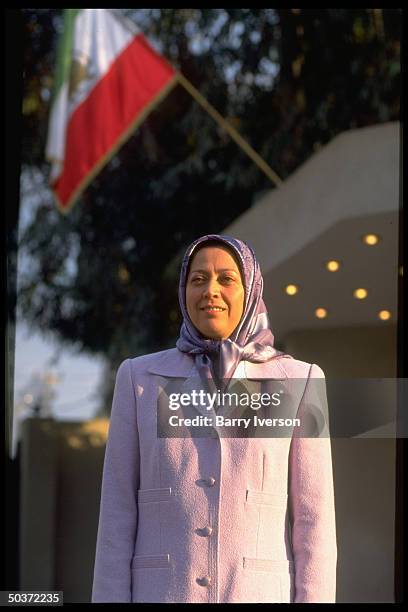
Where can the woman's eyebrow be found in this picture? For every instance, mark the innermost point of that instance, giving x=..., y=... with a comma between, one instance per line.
x=222, y=270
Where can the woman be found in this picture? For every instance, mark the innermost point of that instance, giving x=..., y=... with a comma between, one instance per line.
x=210, y=518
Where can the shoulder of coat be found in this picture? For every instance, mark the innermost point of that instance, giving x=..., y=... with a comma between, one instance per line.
x=295, y=368
x=144, y=362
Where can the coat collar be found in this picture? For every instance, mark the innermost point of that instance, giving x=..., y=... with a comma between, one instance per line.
x=181, y=365
x=174, y=363
x=269, y=369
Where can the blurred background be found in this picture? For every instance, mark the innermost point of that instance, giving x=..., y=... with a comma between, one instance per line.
x=317, y=94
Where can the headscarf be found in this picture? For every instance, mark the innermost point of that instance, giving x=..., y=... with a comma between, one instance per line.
x=252, y=340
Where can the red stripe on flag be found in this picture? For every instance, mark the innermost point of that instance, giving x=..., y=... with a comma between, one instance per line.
x=133, y=81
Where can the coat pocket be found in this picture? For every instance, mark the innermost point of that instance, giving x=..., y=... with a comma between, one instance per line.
x=153, y=506
x=254, y=496
x=154, y=495
x=269, y=565
x=267, y=514
x=261, y=580
x=152, y=578
x=141, y=561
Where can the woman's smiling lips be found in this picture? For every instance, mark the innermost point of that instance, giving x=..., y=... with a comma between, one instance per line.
x=213, y=309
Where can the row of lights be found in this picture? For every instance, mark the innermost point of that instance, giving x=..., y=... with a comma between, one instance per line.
x=384, y=315
x=359, y=294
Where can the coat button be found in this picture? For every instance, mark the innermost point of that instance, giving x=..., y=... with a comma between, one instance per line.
x=210, y=482
x=205, y=531
x=204, y=580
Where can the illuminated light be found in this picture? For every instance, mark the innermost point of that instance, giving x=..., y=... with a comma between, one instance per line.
x=95, y=431
x=291, y=289
x=333, y=265
x=95, y=441
x=384, y=315
x=321, y=313
x=76, y=442
x=371, y=239
x=360, y=293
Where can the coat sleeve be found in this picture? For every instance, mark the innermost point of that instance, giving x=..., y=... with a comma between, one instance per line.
x=112, y=581
x=311, y=501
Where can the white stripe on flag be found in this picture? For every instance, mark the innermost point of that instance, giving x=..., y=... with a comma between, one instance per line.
x=99, y=37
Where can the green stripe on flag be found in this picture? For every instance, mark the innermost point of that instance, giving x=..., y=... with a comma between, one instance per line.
x=64, y=50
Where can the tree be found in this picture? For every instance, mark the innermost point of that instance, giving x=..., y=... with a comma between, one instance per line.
x=106, y=275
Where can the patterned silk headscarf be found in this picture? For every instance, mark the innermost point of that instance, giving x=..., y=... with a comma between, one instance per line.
x=252, y=339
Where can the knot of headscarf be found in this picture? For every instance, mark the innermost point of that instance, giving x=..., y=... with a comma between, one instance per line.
x=252, y=340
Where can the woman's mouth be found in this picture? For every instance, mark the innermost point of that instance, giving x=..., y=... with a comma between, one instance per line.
x=213, y=309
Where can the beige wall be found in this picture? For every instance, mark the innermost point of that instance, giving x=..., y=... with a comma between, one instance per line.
x=61, y=471
x=363, y=469
x=354, y=175
x=366, y=352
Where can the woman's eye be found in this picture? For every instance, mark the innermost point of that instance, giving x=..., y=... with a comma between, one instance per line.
x=224, y=279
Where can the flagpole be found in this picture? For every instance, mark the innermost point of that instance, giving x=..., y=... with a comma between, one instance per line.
x=256, y=158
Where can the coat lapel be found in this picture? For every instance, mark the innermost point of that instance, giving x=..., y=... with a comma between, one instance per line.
x=173, y=363
x=269, y=369
x=177, y=365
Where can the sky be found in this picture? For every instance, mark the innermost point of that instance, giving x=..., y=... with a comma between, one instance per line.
x=75, y=376
x=73, y=396
x=73, y=393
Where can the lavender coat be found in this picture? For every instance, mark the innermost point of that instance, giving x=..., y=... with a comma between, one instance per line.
x=211, y=520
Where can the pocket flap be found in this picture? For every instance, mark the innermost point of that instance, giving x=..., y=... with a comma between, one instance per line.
x=154, y=495
x=269, y=565
x=264, y=497
x=162, y=560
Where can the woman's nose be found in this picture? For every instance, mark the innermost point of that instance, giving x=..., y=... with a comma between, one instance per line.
x=211, y=288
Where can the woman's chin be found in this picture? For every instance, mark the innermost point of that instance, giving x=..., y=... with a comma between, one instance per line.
x=212, y=334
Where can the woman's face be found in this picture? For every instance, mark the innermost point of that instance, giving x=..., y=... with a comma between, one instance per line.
x=214, y=280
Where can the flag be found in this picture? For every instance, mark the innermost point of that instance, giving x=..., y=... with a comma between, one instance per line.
x=108, y=79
